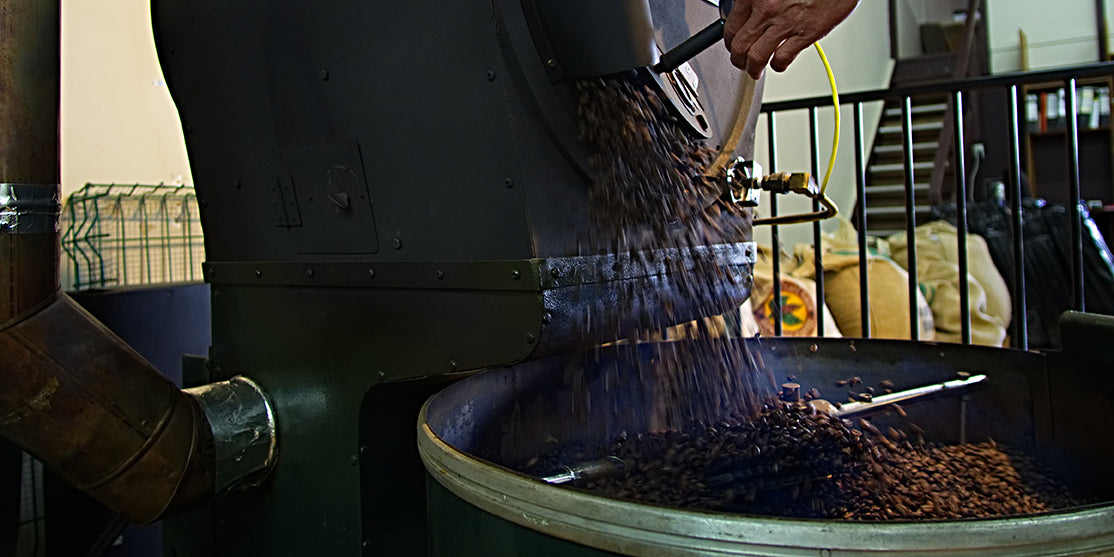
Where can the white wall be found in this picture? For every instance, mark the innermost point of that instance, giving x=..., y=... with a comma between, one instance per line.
x=859, y=52
x=912, y=13
x=118, y=123
x=1060, y=33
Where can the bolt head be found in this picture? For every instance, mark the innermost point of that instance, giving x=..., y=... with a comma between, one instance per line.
x=398, y=243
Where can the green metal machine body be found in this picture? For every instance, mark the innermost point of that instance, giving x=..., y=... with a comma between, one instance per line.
x=393, y=195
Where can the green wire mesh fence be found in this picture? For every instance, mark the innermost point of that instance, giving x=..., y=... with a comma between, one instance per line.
x=121, y=235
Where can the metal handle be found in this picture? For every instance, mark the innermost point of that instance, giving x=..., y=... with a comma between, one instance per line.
x=688, y=49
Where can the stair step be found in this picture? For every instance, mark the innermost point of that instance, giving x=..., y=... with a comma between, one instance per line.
x=897, y=148
x=900, y=167
x=895, y=189
x=918, y=109
x=927, y=126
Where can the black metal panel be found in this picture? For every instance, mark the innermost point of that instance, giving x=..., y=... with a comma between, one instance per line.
x=1083, y=403
x=591, y=38
x=260, y=86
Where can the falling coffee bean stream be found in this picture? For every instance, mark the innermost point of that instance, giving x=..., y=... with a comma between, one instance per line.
x=717, y=442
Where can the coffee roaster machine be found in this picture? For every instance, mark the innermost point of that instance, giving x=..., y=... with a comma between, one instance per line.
x=393, y=197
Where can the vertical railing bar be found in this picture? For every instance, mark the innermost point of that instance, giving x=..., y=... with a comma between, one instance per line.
x=860, y=221
x=1020, y=320
x=961, y=218
x=775, y=238
x=817, y=239
x=1075, y=211
x=910, y=216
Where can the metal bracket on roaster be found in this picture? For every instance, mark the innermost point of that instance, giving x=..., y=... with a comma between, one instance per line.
x=743, y=184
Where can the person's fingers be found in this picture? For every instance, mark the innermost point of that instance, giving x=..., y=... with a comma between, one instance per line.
x=740, y=13
x=788, y=51
x=743, y=42
x=760, y=52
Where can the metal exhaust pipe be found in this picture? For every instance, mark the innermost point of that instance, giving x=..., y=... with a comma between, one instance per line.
x=74, y=395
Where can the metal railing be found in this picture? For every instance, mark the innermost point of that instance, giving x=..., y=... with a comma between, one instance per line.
x=956, y=91
x=122, y=235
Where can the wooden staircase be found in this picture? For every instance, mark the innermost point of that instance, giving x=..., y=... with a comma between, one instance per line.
x=885, y=180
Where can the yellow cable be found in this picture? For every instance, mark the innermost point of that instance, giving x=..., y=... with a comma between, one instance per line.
x=829, y=209
x=835, y=104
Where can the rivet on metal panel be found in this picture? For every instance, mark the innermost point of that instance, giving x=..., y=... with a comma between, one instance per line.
x=531, y=338
x=547, y=317
x=555, y=272
x=309, y=273
x=324, y=75
x=398, y=243
x=551, y=63
x=814, y=348
x=258, y=273
x=440, y=275
x=516, y=274
x=490, y=75
x=371, y=273
x=353, y=460
x=366, y=545
x=453, y=365
x=363, y=449
x=382, y=373
x=508, y=183
x=825, y=553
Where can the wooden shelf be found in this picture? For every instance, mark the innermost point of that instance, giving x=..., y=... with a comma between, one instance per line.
x=1064, y=132
x=1046, y=152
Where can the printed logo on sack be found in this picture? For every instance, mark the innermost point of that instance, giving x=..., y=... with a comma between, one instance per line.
x=796, y=312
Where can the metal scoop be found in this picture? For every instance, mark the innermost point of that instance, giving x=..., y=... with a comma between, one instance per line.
x=880, y=402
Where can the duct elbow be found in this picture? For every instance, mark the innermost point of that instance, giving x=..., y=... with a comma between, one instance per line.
x=92, y=409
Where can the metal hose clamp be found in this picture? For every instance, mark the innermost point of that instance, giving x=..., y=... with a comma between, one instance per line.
x=29, y=208
x=244, y=431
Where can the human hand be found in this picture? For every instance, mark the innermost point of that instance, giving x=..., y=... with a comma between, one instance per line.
x=757, y=30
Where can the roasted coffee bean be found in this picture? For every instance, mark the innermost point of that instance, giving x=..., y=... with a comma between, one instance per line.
x=787, y=462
